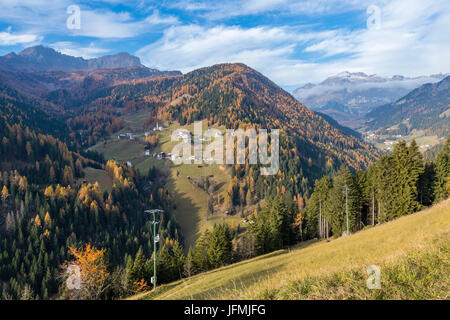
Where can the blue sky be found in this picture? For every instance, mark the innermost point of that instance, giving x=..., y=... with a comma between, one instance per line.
x=291, y=42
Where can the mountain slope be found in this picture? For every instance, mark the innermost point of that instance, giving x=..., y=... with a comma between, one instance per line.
x=425, y=108
x=17, y=108
x=337, y=269
x=235, y=95
x=348, y=96
x=337, y=125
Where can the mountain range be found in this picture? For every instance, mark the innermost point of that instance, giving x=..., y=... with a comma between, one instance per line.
x=39, y=58
x=425, y=108
x=347, y=96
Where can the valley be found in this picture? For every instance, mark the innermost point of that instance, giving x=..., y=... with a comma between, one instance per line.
x=86, y=149
x=190, y=201
x=385, y=111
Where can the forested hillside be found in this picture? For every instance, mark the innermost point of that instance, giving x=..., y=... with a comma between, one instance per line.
x=425, y=108
x=40, y=225
x=235, y=96
x=46, y=213
x=397, y=185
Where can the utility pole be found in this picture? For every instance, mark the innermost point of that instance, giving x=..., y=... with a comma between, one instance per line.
x=155, y=241
x=346, y=207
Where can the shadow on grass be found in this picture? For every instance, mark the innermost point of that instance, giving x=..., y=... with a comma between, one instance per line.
x=186, y=213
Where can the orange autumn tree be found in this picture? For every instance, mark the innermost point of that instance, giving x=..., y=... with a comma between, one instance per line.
x=5, y=192
x=93, y=271
x=139, y=286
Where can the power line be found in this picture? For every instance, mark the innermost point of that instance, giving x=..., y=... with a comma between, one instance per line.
x=155, y=241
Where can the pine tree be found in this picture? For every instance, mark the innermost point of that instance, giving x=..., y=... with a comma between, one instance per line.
x=442, y=167
x=219, y=246
x=200, y=253
x=189, y=268
x=335, y=205
x=179, y=259
x=272, y=226
x=141, y=268
x=314, y=211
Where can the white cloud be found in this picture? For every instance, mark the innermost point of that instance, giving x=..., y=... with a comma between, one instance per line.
x=407, y=84
x=7, y=38
x=44, y=19
x=189, y=47
x=412, y=40
x=106, y=24
x=73, y=49
x=215, y=10
x=268, y=50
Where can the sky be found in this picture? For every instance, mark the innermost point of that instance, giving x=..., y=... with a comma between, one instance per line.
x=291, y=42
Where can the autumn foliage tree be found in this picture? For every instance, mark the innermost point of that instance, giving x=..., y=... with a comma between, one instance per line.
x=93, y=271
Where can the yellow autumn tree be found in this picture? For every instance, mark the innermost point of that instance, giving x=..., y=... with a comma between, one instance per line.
x=23, y=184
x=298, y=224
x=300, y=202
x=5, y=192
x=94, y=205
x=49, y=191
x=47, y=219
x=37, y=221
x=248, y=197
x=94, y=273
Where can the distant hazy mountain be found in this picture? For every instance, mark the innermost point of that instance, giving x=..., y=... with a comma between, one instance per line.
x=425, y=108
x=43, y=59
x=348, y=96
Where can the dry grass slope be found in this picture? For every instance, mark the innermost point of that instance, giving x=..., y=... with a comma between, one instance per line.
x=412, y=251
